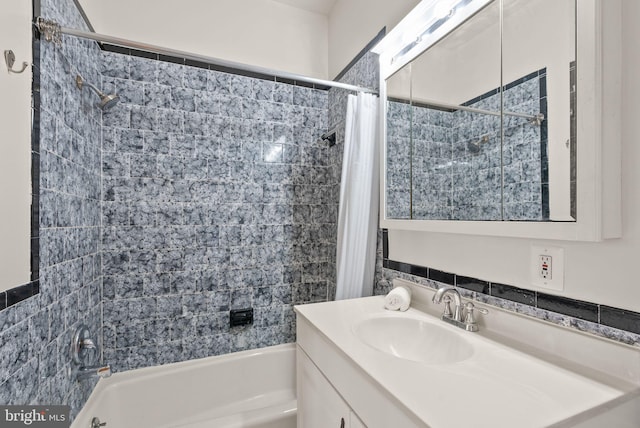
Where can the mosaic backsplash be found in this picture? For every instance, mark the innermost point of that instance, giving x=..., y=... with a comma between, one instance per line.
x=600, y=320
x=457, y=164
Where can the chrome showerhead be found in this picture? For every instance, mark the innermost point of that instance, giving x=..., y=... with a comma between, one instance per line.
x=474, y=146
x=107, y=101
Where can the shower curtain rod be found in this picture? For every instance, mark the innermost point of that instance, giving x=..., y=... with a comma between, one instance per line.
x=52, y=32
x=536, y=118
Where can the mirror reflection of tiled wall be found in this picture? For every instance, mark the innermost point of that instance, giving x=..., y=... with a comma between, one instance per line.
x=450, y=165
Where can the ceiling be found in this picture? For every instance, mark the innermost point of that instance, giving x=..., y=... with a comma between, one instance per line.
x=318, y=6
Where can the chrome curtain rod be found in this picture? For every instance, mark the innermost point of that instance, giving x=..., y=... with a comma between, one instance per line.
x=533, y=118
x=52, y=32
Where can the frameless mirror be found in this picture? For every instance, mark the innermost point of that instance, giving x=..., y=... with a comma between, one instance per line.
x=478, y=126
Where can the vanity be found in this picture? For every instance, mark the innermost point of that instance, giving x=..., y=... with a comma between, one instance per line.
x=359, y=365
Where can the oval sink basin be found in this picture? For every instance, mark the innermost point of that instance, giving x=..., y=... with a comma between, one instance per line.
x=413, y=339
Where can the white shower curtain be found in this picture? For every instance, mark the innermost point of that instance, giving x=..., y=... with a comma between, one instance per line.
x=359, y=195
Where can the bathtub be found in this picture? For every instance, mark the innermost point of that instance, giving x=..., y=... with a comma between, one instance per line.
x=245, y=389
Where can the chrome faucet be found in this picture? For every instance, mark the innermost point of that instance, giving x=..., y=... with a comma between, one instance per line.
x=85, y=355
x=457, y=300
x=456, y=318
x=81, y=373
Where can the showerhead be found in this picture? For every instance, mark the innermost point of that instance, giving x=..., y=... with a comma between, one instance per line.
x=329, y=138
x=474, y=146
x=107, y=101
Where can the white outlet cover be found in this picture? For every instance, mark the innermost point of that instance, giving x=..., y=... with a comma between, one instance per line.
x=557, y=267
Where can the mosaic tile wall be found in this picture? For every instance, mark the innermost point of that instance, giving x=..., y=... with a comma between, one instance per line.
x=35, y=334
x=216, y=197
x=455, y=159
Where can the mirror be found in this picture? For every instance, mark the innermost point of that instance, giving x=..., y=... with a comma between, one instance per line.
x=480, y=126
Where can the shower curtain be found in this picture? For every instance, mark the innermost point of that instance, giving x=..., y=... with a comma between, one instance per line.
x=359, y=194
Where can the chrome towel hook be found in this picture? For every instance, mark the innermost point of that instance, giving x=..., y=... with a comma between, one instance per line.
x=10, y=59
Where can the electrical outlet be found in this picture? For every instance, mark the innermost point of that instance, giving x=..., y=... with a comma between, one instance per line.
x=547, y=267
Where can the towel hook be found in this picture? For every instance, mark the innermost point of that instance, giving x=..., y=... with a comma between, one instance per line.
x=10, y=59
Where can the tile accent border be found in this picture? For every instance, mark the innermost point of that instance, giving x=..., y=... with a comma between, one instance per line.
x=604, y=321
x=205, y=65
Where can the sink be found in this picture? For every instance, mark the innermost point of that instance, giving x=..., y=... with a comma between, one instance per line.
x=413, y=339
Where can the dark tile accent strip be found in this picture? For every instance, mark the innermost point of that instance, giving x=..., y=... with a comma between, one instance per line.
x=420, y=271
x=620, y=319
x=35, y=150
x=405, y=267
x=604, y=315
x=575, y=308
x=118, y=49
x=472, y=284
x=18, y=294
x=362, y=53
x=385, y=244
x=392, y=264
x=205, y=65
x=544, y=161
x=506, y=87
x=440, y=276
x=3, y=300
x=514, y=294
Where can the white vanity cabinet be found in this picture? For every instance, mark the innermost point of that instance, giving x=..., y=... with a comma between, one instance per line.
x=332, y=387
x=566, y=376
x=319, y=404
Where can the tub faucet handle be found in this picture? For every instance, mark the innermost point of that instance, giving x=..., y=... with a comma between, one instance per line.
x=95, y=423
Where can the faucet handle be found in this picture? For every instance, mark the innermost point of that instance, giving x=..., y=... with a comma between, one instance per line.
x=447, y=307
x=469, y=319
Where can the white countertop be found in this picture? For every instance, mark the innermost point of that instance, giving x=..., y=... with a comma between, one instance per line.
x=498, y=386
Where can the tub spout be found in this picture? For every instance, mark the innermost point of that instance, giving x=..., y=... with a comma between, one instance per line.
x=89, y=372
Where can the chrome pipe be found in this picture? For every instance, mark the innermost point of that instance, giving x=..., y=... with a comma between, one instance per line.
x=533, y=118
x=52, y=32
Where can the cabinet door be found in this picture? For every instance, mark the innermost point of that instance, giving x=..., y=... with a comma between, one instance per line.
x=319, y=405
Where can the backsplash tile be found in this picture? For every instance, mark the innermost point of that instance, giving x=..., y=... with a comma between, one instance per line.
x=620, y=319
x=574, y=308
x=472, y=284
x=513, y=293
x=600, y=320
x=443, y=277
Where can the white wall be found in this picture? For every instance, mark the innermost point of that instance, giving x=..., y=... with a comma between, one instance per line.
x=15, y=146
x=598, y=272
x=354, y=23
x=263, y=33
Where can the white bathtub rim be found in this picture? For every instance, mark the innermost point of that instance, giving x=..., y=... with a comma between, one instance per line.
x=120, y=379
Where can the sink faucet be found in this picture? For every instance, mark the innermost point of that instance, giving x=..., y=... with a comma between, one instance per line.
x=457, y=300
x=469, y=322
